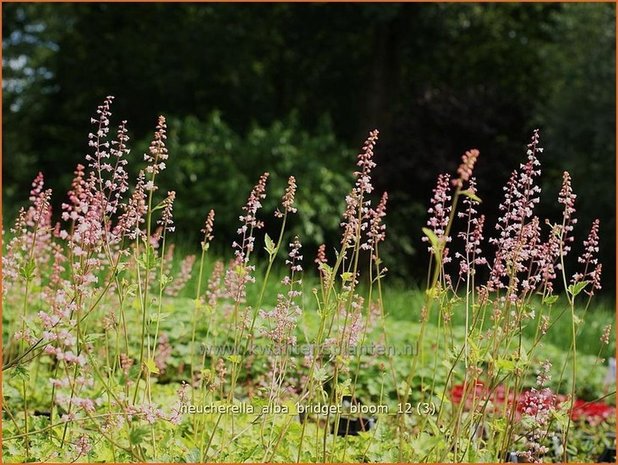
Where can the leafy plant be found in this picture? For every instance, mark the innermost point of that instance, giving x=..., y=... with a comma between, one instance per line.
x=106, y=360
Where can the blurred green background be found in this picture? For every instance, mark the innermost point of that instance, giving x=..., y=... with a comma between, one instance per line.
x=295, y=88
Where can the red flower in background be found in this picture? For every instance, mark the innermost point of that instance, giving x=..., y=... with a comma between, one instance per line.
x=479, y=395
x=592, y=412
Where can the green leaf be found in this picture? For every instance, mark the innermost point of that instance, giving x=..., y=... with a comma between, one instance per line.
x=158, y=207
x=471, y=195
x=436, y=244
x=327, y=270
x=505, y=365
x=269, y=246
x=152, y=366
x=343, y=389
x=474, y=350
x=164, y=280
x=21, y=373
x=576, y=288
x=321, y=374
x=93, y=337
x=137, y=435
x=471, y=453
x=27, y=271
x=434, y=427
x=550, y=299
x=148, y=258
x=433, y=239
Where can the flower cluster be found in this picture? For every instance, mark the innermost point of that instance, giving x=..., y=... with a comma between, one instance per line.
x=353, y=322
x=283, y=318
x=249, y=220
x=167, y=217
x=468, y=160
x=544, y=375
x=440, y=210
x=239, y=273
x=215, y=289
x=31, y=243
x=134, y=212
x=356, y=214
x=472, y=236
x=183, y=397
x=287, y=202
x=377, y=228
x=208, y=229
x=98, y=140
x=518, y=238
x=157, y=153
x=592, y=268
x=537, y=408
x=183, y=277
x=567, y=197
x=237, y=277
x=163, y=352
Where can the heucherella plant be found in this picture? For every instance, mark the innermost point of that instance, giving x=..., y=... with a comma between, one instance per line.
x=521, y=281
x=104, y=353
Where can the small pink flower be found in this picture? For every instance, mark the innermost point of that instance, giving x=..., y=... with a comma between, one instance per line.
x=288, y=198
x=466, y=167
x=208, y=228
x=356, y=214
x=440, y=209
x=167, y=218
x=249, y=220
x=180, y=281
